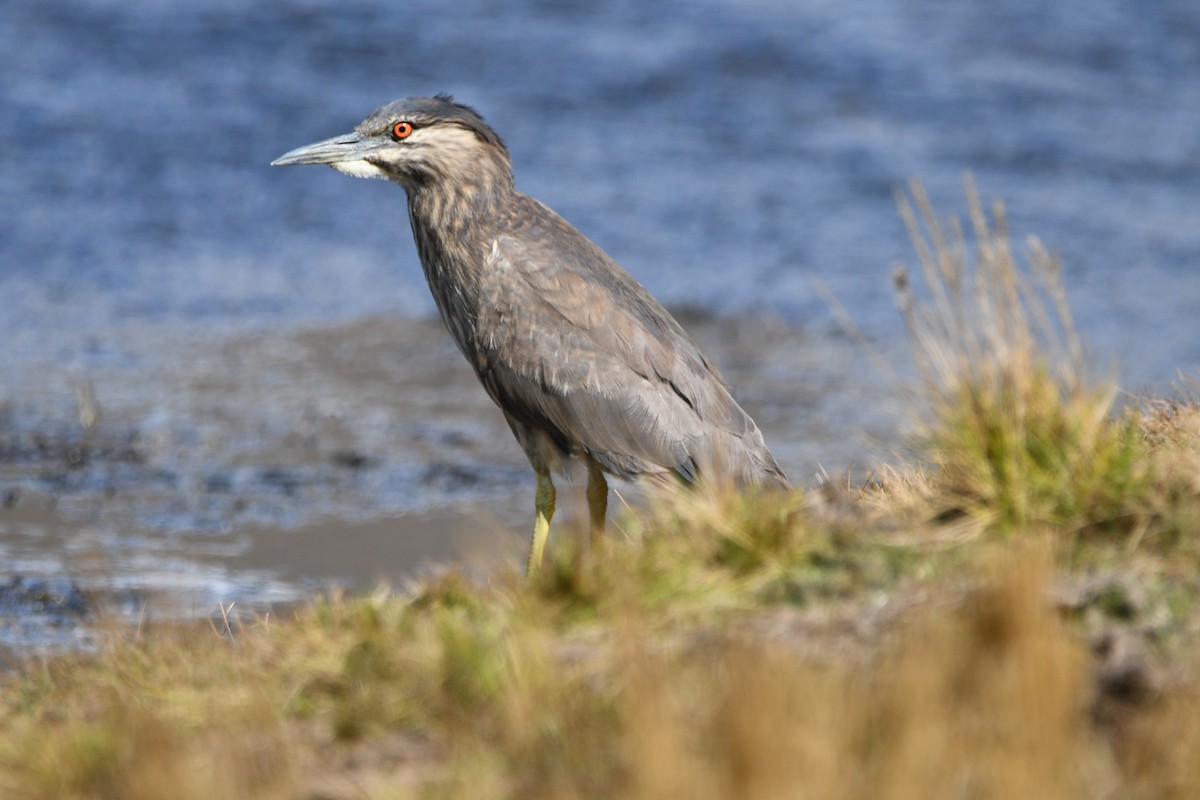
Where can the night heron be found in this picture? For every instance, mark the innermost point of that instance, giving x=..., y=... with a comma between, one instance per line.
x=580, y=358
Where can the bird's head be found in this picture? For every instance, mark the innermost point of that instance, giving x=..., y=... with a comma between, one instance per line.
x=415, y=142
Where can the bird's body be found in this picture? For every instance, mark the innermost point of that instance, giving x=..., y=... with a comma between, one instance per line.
x=581, y=359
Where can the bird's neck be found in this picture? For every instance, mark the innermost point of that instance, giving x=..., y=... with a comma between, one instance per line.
x=453, y=221
x=453, y=227
x=454, y=210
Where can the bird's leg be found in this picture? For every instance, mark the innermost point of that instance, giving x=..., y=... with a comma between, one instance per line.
x=597, y=497
x=541, y=524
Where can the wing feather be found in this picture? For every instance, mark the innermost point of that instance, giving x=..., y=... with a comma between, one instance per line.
x=570, y=344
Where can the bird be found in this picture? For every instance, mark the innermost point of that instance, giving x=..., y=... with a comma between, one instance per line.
x=583, y=362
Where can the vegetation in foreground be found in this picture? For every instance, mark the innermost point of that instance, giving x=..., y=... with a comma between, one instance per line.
x=1010, y=614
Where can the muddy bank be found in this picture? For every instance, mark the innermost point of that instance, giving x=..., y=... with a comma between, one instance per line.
x=197, y=471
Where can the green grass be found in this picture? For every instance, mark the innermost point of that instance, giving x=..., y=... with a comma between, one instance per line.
x=1008, y=613
x=1020, y=437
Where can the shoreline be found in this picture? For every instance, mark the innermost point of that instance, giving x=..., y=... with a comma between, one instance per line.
x=228, y=469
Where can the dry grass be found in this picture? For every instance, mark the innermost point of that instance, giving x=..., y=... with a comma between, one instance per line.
x=1019, y=436
x=1010, y=615
x=980, y=687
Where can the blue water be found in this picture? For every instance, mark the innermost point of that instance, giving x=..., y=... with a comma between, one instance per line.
x=734, y=156
x=728, y=154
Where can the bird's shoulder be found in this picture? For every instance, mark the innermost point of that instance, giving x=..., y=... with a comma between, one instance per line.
x=556, y=269
x=558, y=309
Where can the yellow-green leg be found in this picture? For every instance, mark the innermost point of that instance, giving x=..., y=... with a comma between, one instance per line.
x=541, y=524
x=597, y=497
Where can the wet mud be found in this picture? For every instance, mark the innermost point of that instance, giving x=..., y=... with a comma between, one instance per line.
x=262, y=468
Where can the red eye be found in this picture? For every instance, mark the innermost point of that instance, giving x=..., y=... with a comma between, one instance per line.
x=402, y=130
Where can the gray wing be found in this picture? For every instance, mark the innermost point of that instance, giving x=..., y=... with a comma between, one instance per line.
x=570, y=344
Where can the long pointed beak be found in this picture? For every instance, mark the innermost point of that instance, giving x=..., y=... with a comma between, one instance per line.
x=347, y=147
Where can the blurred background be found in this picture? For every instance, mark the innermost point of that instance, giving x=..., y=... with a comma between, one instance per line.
x=225, y=383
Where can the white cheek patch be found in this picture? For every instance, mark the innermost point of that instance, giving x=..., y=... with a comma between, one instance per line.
x=359, y=169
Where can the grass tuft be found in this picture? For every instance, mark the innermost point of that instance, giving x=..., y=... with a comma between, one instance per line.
x=1021, y=438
